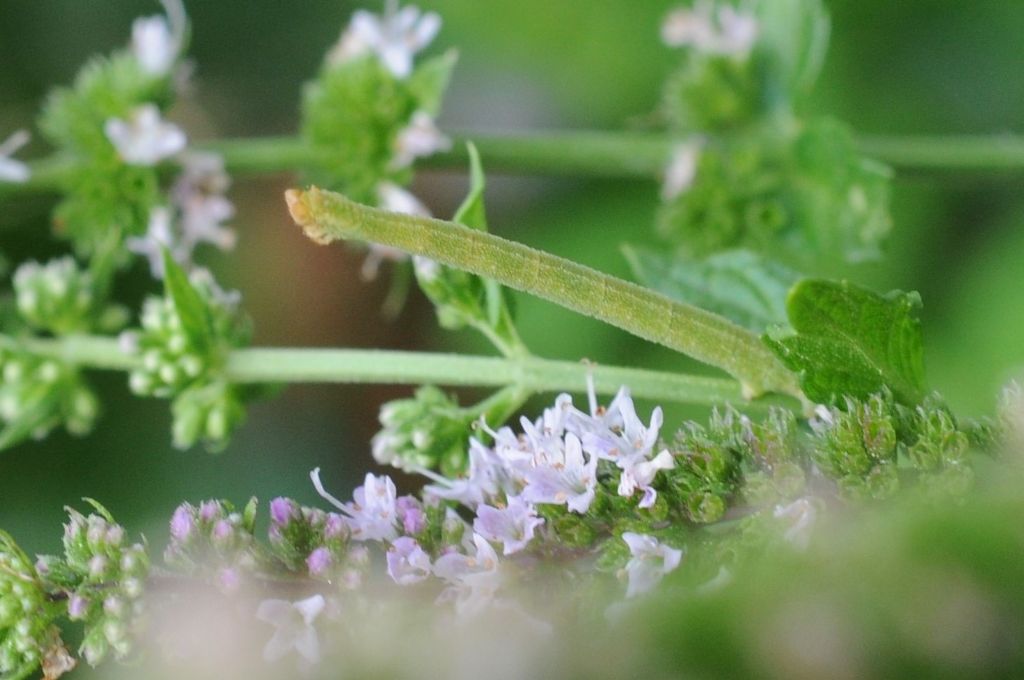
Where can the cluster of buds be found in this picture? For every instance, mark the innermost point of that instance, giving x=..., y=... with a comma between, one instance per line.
x=38, y=394
x=170, y=361
x=427, y=431
x=55, y=297
x=104, y=577
x=857, y=446
x=25, y=613
x=183, y=341
x=318, y=543
x=213, y=540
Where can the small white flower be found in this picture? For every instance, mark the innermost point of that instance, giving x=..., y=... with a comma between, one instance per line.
x=473, y=579
x=295, y=629
x=724, y=30
x=157, y=41
x=10, y=169
x=681, y=170
x=159, y=235
x=145, y=138
x=419, y=139
x=513, y=525
x=638, y=473
x=800, y=514
x=650, y=562
x=199, y=195
x=394, y=38
x=372, y=516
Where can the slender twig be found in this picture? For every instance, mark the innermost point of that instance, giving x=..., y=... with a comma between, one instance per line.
x=292, y=365
x=592, y=153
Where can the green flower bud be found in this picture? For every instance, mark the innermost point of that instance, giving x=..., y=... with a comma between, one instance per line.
x=207, y=414
x=429, y=430
x=103, y=576
x=858, y=447
x=39, y=394
x=58, y=297
x=25, y=617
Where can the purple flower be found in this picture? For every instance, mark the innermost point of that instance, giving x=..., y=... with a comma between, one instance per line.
x=229, y=579
x=513, y=526
x=319, y=561
x=335, y=527
x=283, y=511
x=222, y=531
x=407, y=562
x=410, y=514
x=561, y=476
x=78, y=607
x=209, y=510
x=182, y=523
x=650, y=561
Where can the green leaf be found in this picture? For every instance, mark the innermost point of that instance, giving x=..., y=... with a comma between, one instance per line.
x=430, y=80
x=249, y=515
x=740, y=285
x=849, y=341
x=794, y=39
x=195, y=318
x=472, y=213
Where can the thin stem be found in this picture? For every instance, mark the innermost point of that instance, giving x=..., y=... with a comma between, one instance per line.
x=591, y=153
x=308, y=365
x=327, y=216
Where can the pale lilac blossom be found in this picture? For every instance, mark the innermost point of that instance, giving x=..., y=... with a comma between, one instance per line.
x=182, y=523
x=513, y=525
x=637, y=472
x=563, y=476
x=473, y=579
x=649, y=563
x=295, y=630
x=319, y=561
x=411, y=515
x=407, y=561
x=418, y=139
x=372, y=516
x=617, y=434
x=394, y=38
x=144, y=138
x=10, y=169
x=487, y=476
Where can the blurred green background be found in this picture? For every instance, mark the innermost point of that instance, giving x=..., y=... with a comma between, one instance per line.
x=935, y=66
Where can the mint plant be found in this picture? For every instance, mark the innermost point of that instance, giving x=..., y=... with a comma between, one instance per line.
x=597, y=518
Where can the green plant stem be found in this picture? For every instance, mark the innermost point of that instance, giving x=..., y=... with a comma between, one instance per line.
x=591, y=153
x=327, y=216
x=307, y=365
